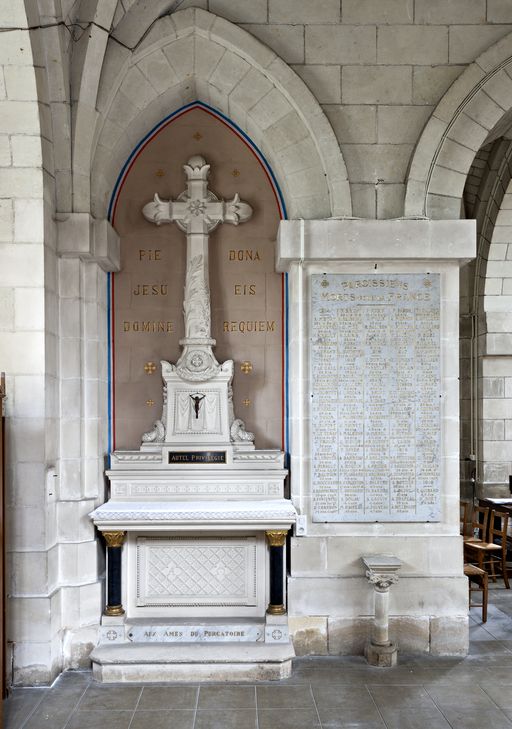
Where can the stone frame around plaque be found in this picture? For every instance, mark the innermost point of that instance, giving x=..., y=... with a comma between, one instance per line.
x=308, y=247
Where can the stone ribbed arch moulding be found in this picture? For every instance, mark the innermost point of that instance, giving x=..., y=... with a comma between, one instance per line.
x=476, y=108
x=194, y=55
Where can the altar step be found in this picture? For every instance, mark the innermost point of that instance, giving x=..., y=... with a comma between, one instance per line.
x=191, y=662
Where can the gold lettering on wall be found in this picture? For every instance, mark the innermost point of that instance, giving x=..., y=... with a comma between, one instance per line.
x=245, y=289
x=149, y=254
x=150, y=290
x=249, y=326
x=244, y=255
x=148, y=326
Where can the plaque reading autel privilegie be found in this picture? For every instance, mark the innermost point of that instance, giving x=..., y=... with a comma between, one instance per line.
x=197, y=456
x=376, y=387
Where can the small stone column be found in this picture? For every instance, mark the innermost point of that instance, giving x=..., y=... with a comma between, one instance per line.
x=381, y=573
x=276, y=539
x=115, y=541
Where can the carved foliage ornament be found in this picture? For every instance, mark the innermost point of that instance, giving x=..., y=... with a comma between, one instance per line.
x=114, y=539
x=382, y=581
x=276, y=537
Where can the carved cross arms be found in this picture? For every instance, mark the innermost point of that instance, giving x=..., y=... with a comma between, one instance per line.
x=197, y=209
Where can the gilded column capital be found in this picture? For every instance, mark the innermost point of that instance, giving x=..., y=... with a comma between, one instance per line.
x=114, y=539
x=276, y=537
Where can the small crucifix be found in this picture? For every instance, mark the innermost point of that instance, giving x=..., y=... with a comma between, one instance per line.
x=197, y=400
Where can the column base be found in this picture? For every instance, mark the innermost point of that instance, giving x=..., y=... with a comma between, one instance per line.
x=114, y=610
x=276, y=609
x=383, y=656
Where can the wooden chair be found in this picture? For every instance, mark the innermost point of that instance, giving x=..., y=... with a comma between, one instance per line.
x=479, y=577
x=464, y=511
x=478, y=525
x=493, y=552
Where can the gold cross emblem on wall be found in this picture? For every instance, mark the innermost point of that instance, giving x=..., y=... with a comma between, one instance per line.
x=150, y=368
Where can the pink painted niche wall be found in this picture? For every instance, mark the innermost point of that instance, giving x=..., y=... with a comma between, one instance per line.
x=147, y=294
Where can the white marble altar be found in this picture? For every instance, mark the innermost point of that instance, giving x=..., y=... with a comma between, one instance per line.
x=199, y=509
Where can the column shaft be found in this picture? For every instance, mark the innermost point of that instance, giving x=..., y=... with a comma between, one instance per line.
x=381, y=622
x=114, y=542
x=276, y=540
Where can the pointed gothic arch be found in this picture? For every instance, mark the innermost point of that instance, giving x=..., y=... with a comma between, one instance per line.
x=196, y=55
x=475, y=109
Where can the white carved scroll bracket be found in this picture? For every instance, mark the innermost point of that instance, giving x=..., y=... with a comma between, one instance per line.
x=156, y=435
x=238, y=432
x=79, y=235
x=168, y=369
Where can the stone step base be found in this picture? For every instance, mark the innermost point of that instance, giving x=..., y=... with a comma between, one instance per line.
x=191, y=662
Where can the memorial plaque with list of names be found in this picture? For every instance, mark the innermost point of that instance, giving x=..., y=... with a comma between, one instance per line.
x=376, y=387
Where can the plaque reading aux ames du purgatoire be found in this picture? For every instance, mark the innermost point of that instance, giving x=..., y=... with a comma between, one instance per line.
x=375, y=373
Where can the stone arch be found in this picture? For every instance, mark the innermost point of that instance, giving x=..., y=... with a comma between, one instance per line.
x=486, y=326
x=192, y=55
x=476, y=109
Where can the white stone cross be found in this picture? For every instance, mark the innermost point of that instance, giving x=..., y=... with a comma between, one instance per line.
x=197, y=211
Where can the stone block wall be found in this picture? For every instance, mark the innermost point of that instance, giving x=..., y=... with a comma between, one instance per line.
x=377, y=68
x=27, y=354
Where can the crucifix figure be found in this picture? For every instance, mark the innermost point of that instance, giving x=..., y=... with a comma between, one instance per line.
x=197, y=211
x=197, y=399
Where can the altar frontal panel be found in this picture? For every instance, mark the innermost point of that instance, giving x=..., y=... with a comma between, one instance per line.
x=375, y=397
x=196, y=571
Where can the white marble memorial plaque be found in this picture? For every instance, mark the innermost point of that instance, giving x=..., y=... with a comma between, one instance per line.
x=376, y=387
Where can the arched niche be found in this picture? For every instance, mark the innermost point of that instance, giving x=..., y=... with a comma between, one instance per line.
x=193, y=54
x=247, y=296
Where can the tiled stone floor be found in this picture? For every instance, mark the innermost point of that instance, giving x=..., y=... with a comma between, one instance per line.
x=420, y=693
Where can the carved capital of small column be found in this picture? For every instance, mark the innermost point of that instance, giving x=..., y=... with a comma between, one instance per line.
x=381, y=581
x=276, y=537
x=114, y=539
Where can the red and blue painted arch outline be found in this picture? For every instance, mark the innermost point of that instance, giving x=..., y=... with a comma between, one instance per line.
x=125, y=171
